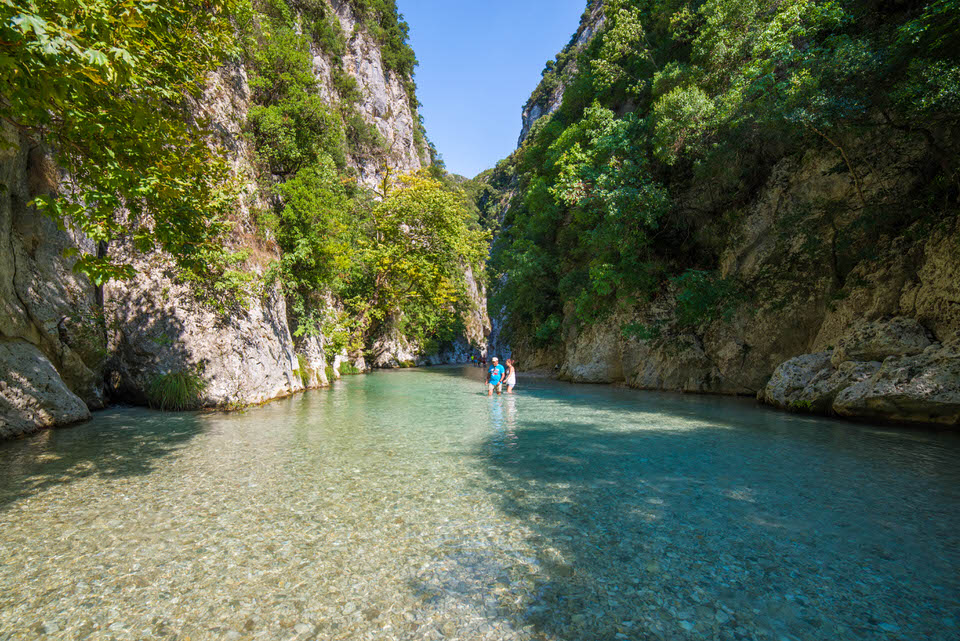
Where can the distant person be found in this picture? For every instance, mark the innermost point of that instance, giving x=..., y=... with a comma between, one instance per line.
x=495, y=377
x=473, y=360
x=511, y=376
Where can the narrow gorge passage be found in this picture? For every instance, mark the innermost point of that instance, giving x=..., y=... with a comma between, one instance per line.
x=408, y=505
x=247, y=248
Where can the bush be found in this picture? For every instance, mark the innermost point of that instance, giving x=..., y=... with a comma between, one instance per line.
x=348, y=369
x=176, y=391
x=306, y=374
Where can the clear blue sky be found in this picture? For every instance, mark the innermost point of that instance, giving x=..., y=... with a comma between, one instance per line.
x=479, y=62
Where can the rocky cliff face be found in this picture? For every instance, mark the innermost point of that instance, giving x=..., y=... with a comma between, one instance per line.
x=548, y=97
x=792, y=341
x=64, y=345
x=829, y=249
x=52, y=343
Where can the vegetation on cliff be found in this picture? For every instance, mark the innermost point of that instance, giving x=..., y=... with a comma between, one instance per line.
x=390, y=256
x=677, y=112
x=116, y=89
x=107, y=86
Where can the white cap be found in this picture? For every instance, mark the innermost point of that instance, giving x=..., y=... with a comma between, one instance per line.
x=495, y=358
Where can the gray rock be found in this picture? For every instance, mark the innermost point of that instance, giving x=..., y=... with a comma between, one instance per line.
x=811, y=383
x=924, y=388
x=303, y=628
x=790, y=380
x=34, y=397
x=878, y=340
x=159, y=327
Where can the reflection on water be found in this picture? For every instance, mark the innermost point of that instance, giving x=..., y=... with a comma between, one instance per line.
x=409, y=505
x=503, y=420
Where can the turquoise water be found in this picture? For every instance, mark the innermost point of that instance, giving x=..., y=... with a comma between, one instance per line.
x=408, y=505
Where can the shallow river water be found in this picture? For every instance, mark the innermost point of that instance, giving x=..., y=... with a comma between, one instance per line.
x=408, y=505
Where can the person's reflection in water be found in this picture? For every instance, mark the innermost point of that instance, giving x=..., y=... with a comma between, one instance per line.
x=503, y=415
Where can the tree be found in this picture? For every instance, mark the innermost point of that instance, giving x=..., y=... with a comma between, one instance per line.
x=107, y=85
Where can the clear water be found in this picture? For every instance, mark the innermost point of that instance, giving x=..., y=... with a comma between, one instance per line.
x=408, y=505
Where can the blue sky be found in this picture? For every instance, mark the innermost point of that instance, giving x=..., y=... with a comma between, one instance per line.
x=479, y=62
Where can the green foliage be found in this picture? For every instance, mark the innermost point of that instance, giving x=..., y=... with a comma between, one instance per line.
x=291, y=125
x=331, y=373
x=106, y=85
x=703, y=297
x=390, y=261
x=176, y=391
x=641, y=331
x=420, y=240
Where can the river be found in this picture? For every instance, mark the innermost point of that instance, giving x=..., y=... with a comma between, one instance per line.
x=408, y=505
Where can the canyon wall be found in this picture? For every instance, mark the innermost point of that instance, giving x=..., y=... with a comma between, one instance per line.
x=67, y=347
x=833, y=247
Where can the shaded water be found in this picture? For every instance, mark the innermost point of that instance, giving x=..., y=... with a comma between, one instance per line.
x=408, y=505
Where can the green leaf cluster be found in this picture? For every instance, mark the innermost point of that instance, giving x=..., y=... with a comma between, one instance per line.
x=106, y=86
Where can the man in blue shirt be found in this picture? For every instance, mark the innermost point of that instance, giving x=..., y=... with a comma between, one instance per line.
x=495, y=377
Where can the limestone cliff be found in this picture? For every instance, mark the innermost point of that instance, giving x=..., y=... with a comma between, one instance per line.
x=783, y=250
x=548, y=96
x=52, y=341
x=66, y=347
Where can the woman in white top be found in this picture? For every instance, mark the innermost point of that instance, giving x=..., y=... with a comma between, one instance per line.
x=511, y=376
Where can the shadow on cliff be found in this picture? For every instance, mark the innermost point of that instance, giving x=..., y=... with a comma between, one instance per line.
x=120, y=443
x=704, y=526
x=150, y=340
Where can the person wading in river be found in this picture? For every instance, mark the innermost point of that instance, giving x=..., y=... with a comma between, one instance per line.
x=495, y=377
x=511, y=376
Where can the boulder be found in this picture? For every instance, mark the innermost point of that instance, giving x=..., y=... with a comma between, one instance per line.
x=876, y=341
x=787, y=385
x=32, y=394
x=811, y=383
x=924, y=388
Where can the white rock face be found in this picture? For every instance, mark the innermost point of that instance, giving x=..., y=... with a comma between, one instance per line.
x=385, y=103
x=592, y=22
x=159, y=328
x=49, y=320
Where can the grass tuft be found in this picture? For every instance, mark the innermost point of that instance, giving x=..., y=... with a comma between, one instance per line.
x=348, y=369
x=176, y=391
